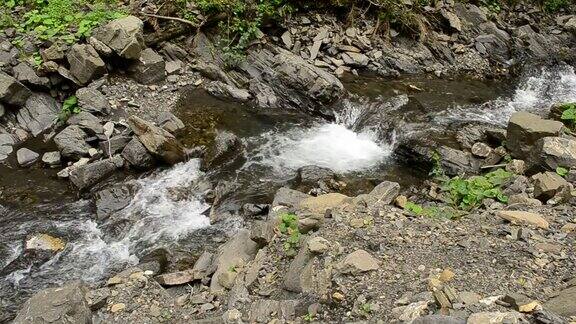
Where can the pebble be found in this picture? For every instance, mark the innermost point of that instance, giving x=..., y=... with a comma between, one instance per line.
x=117, y=307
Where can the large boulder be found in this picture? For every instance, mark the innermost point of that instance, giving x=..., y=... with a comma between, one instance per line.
x=549, y=153
x=72, y=142
x=157, y=141
x=564, y=304
x=124, y=36
x=60, y=305
x=85, y=63
x=38, y=114
x=12, y=92
x=137, y=155
x=149, y=68
x=86, y=176
x=92, y=100
x=524, y=129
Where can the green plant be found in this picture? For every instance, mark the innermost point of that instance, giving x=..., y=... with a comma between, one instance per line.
x=555, y=5
x=468, y=193
x=437, y=170
x=36, y=59
x=69, y=107
x=568, y=114
x=308, y=317
x=433, y=211
x=561, y=171
x=289, y=226
x=366, y=308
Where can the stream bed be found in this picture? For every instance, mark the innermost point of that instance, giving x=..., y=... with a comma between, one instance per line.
x=166, y=208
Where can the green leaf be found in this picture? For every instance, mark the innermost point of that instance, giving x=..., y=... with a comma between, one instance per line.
x=561, y=171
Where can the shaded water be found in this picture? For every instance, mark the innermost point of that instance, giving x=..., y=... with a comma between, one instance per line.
x=168, y=208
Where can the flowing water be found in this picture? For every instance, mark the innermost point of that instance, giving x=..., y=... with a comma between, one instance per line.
x=168, y=210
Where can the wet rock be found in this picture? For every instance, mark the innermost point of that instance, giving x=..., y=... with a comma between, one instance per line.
x=227, y=149
x=71, y=142
x=288, y=197
x=481, y=150
x=312, y=176
x=52, y=159
x=114, y=145
x=548, y=185
x=124, y=36
x=85, y=63
x=456, y=162
x=65, y=304
x=320, y=204
x=237, y=251
x=44, y=242
x=524, y=129
x=150, y=67
x=88, y=175
x=109, y=201
x=157, y=141
x=552, y=152
x=170, y=123
x=137, y=155
x=382, y=194
x=255, y=210
x=25, y=74
x=564, y=304
x=87, y=122
x=2, y=110
x=26, y=157
x=494, y=317
x=522, y=217
x=6, y=143
x=12, y=92
x=357, y=262
x=38, y=114
x=92, y=101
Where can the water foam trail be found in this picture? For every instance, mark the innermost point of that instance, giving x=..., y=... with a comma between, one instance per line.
x=534, y=94
x=156, y=218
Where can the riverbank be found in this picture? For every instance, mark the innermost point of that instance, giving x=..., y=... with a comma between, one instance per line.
x=132, y=108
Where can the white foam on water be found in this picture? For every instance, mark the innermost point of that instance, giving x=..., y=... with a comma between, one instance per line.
x=343, y=146
x=535, y=94
x=156, y=217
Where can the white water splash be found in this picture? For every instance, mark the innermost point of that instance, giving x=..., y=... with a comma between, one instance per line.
x=535, y=94
x=343, y=146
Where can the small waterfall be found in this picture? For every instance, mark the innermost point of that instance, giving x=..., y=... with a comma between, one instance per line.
x=536, y=94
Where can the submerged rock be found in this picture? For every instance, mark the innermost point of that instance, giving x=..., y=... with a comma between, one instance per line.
x=227, y=149
x=62, y=305
x=52, y=159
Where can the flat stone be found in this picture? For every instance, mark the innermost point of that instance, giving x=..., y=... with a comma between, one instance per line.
x=176, y=278
x=522, y=217
x=26, y=157
x=38, y=114
x=494, y=318
x=357, y=262
x=524, y=129
x=320, y=204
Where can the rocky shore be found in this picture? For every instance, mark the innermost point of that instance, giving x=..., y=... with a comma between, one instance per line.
x=103, y=109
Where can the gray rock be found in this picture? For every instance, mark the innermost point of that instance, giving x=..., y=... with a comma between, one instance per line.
x=100, y=47
x=97, y=298
x=25, y=74
x=357, y=262
x=452, y=19
x=52, y=159
x=438, y=319
x=299, y=277
x=71, y=142
x=227, y=149
x=2, y=110
x=170, y=123
x=6, y=143
x=223, y=90
x=481, y=150
x=150, y=67
x=85, y=63
x=173, y=67
x=115, y=145
x=570, y=25
x=61, y=305
x=109, y=201
x=524, y=129
x=26, y=157
x=92, y=100
x=564, y=304
x=124, y=36
x=12, y=92
x=38, y=114
x=88, y=175
x=287, y=39
x=355, y=59
x=88, y=122
x=137, y=155
x=288, y=198
x=382, y=194
x=238, y=250
x=548, y=185
x=56, y=52
x=549, y=153
x=157, y=141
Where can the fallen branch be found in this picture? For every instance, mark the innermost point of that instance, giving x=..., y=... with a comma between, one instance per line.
x=493, y=166
x=182, y=20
